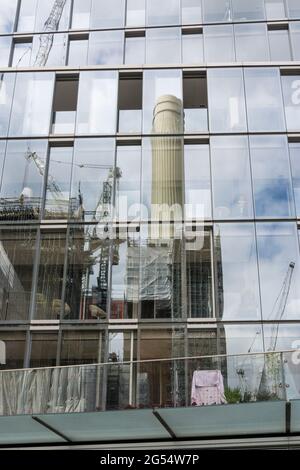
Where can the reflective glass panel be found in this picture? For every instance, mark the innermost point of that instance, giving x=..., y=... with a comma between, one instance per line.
x=244, y=10
x=26, y=19
x=5, y=44
x=92, y=176
x=271, y=176
x=128, y=188
x=293, y=9
x=291, y=96
x=163, y=13
x=87, y=276
x=243, y=339
x=135, y=13
x=78, y=51
x=105, y=47
x=278, y=251
x=125, y=293
x=197, y=181
x=191, y=11
x=7, y=84
x=32, y=104
x=135, y=50
x=264, y=100
x=23, y=177
x=236, y=272
x=275, y=9
x=295, y=39
x=232, y=190
x=295, y=163
x=58, y=203
x=48, y=299
x=163, y=46
x=45, y=9
x=219, y=43
x=160, y=85
x=97, y=103
x=43, y=349
x=56, y=55
x=251, y=42
x=81, y=347
x=280, y=48
x=21, y=54
x=17, y=254
x=226, y=100
x=7, y=15
x=192, y=48
x=107, y=14
x=81, y=14
x=216, y=11
x=13, y=344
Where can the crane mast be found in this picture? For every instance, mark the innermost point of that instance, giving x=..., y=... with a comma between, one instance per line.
x=46, y=38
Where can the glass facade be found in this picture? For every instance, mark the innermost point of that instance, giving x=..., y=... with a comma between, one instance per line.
x=157, y=213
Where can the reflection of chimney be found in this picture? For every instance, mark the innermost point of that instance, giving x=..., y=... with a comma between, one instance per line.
x=167, y=159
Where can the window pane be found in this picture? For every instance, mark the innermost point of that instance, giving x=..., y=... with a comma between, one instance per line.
x=271, y=176
x=163, y=46
x=135, y=50
x=219, y=43
x=48, y=300
x=17, y=253
x=293, y=8
x=81, y=347
x=128, y=192
x=78, y=50
x=241, y=339
x=157, y=85
x=136, y=11
x=7, y=83
x=7, y=15
x=21, y=54
x=97, y=103
x=93, y=170
x=216, y=11
x=237, y=274
x=44, y=10
x=192, y=48
x=57, y=204
x=251, y=42
x=245, y=10
x=31, y=110
x=163, y=13
x=232, y=191
x=43, y=350
x=295, y=39
x=5, y=44
x=27, y=14
x=295, y=163
x=14, y=345
x=264, y=100
x=162, y=178
x=23, y=177
x=191, y=11
x=56, y=55
x=2, y=156
x=275, y=9
x=87, y=275
x=81, y=14
x=197, y=181
x=277, y=248
x=125, y=277
x=105, y=47
x=226, y=100
x=291, y=96
x=280, y=45
x=107, y=14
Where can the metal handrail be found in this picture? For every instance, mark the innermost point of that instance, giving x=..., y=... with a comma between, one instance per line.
x=146, y=361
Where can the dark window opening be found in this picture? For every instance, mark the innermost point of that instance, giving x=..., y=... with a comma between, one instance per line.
x=65, y=105
x=130, y=103
x=195, y=102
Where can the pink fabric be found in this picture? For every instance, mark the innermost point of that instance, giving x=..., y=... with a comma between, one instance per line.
x=207, y=388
